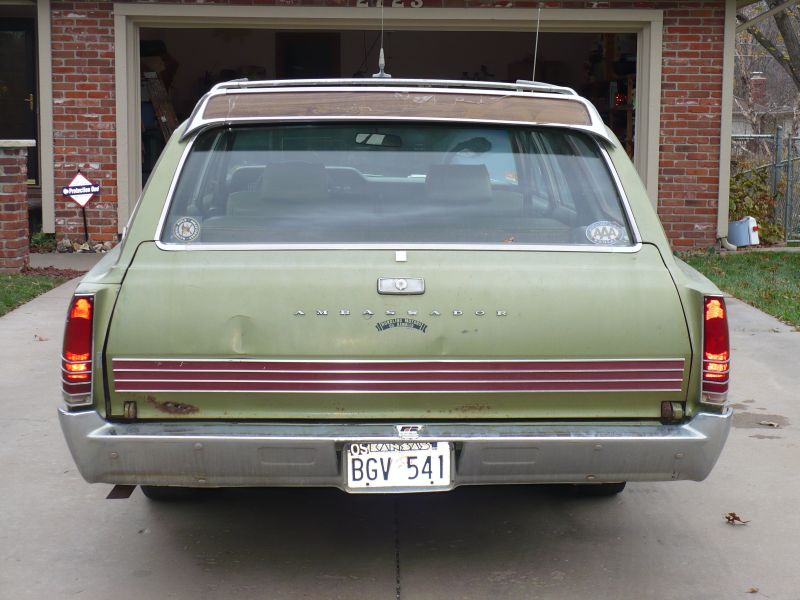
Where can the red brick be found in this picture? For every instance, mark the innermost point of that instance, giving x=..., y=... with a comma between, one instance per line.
x=13, y=209
x=693, y=30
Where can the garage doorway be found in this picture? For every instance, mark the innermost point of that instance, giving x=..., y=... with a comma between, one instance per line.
x=188, y=61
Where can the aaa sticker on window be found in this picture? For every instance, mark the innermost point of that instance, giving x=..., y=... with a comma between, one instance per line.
x=606, y=233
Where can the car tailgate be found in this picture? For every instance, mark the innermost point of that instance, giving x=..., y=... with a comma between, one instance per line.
x=304, y=334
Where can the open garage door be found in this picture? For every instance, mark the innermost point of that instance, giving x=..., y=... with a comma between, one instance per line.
x=188, y=61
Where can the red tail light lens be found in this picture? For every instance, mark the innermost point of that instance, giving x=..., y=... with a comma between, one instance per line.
x=76, y=359
x=716, y=350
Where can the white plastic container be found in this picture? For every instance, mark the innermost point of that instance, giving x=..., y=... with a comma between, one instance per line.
x=752, y=231
x=743, y=232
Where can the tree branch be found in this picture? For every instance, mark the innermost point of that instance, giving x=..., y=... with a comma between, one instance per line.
x=791, y=43
x=780, y=57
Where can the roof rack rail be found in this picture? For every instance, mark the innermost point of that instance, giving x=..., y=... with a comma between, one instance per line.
x=243, y=87
x=519, y=86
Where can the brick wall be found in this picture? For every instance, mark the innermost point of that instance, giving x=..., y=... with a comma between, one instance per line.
x=84, y=128
x=83, y=89
x=13, y=208
x=691, y=117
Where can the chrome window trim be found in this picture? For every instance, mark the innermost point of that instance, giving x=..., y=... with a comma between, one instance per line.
x=636, y=237
x=171, y=193
x=422, y=247
x=635, y=246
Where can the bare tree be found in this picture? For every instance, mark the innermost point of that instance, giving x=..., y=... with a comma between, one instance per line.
x=779, y=36
x=753, y=73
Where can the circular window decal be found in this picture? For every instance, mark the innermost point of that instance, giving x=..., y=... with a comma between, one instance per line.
x=186, y=229
x=605, y=233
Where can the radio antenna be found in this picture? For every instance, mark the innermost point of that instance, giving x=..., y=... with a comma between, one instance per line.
x=536, y=45
x=381, y=60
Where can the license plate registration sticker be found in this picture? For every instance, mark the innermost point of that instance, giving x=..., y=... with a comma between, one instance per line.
x=381, y=465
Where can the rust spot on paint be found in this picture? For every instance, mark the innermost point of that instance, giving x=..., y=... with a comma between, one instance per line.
x=172, y=408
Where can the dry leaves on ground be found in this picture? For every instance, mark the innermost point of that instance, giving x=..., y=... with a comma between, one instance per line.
x=53, y=272
x=732, y=519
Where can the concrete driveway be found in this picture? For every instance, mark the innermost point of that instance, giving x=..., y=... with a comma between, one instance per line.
x=60, y=537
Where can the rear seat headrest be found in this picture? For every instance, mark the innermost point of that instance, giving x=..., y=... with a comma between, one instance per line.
x=459, y=184
x=295, y=182
x=245, y=179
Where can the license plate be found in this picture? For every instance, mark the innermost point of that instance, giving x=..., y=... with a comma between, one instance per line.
x=399, y=465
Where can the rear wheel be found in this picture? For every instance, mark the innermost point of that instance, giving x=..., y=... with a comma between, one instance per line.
x=600, y=490
x=163, y=493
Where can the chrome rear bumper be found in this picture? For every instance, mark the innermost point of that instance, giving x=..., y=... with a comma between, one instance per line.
x=207, y=454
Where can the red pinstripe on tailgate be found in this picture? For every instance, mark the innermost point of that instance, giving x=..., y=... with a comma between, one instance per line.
x=400, y=376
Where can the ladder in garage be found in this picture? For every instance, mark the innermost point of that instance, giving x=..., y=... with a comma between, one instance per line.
x=165, y=113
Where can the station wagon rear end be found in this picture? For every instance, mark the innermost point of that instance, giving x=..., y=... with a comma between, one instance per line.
x=394, y=286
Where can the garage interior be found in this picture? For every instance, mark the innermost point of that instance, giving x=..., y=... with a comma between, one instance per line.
x=178, y=65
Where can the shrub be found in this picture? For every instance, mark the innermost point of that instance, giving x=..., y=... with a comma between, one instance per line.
x=43, y=242
x=751, y=196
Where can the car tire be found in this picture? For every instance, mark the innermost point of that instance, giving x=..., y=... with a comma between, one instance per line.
x=163, y=493
x=600, y=490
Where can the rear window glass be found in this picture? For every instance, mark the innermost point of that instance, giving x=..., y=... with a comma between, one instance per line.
x=396, y=184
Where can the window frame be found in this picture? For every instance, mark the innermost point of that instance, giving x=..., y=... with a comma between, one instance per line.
x=635, y=245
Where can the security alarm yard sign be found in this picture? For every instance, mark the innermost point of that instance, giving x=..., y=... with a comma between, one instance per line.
x=81, y=190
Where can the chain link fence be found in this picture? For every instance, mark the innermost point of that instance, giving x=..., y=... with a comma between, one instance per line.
x=779, y=156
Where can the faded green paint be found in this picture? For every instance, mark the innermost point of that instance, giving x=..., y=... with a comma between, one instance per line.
x=242, y=304
x=573, y=305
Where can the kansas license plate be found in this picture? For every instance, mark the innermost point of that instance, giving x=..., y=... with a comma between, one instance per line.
x=377, y=465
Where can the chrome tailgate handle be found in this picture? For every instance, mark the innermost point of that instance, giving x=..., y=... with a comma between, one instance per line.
x=401, y=285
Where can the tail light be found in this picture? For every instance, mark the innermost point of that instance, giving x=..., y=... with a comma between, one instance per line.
x=716, y=351
x=76, y=358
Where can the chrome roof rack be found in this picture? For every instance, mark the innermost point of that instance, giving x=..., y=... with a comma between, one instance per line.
x=519, y=86
x=197, y=121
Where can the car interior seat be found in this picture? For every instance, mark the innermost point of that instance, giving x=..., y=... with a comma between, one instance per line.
x=283, y=185
x=458, y=184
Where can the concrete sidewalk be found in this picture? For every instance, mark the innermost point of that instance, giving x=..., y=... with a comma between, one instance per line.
x=59, y=537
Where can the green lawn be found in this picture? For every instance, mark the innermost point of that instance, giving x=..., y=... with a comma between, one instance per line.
x=17, y=289
x=769, y=281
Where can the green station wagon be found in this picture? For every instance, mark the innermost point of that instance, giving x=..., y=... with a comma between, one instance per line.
x=394, y=286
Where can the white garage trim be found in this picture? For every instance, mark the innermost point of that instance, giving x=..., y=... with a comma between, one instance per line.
x=45, y=74
x=728, y=60
x=129, y=18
